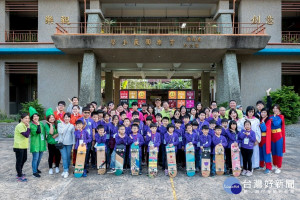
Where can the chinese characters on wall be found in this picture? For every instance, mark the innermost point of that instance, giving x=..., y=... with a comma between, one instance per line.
x=256, y=20
x=63, y=20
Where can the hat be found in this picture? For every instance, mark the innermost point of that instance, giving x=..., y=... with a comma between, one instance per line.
x=32, y=111
x=238, y=106
x=49, y=112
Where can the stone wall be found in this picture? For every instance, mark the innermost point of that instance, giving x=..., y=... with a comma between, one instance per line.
x=7, y=129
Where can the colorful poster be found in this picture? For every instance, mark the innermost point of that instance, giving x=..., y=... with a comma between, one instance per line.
x=141, y=94
x=172, y=94
x=140, y=102
x=181, y=95
x=190, y=94
x=180, y=103
x=172, y=103
x=123, y=94
x=190, y=103
x=131, y=101
x=132, y=94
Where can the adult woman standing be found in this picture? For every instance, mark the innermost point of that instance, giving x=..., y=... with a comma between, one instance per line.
x=52, y=134
x=277, y=138
x=66, y=136
x=198, y=108
x=255, y=126
x=22, y=132
x=37, y=141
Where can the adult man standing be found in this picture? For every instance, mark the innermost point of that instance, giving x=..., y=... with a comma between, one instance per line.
x=222, y=112
x=158, y=107
x=167, y=112
x=232, y=105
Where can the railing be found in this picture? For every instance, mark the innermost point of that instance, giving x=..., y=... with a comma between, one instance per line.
x=176, y=28
x=290, y=37
x=21, y=36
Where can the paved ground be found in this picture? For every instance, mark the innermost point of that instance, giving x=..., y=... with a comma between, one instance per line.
x=141, y=187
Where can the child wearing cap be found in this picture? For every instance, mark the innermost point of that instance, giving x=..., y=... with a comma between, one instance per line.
x=170, y=139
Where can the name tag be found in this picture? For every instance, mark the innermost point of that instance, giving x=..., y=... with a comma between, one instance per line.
x=42, y=137
x=198, y=144
x=246, y=141
x=89, y=131
x=114, y=136
x=107, y=136
x=180, y=139
x=80, y=142
x=164, y=141
x=96, y=145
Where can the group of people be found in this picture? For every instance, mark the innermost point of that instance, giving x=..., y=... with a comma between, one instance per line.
x=260, y=136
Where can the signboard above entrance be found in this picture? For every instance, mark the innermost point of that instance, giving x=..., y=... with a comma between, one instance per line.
x=131, y=96
x=181, y=98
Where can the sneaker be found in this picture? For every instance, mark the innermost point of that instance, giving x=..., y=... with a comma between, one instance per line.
x=212, y=175
x=23, y=175
x=62, y=174
x=22, y=179
x=197, y=170
x=36, y=175
x=51, y=171
x=274, y=167
x=244, y=172
x=66, y=174
x=267, y=171
x=249, y=173
x=38, y=171
x=84, y=173
x=56, y=170
x=166, y=172
x=261, y=168
x=111, y=171
x=277, y=171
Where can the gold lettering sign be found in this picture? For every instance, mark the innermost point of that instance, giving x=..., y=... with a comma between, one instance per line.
x=270, y=20
x=148, y=41
x=65, y=20
x=49, y=19
x=188, y=39
x=113, y=42
x=255, y=19
x=172, y=41
x=159, y=42
x=136, y=42
x=125, y=42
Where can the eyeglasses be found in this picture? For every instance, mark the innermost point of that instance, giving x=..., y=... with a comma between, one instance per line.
x=86, y=112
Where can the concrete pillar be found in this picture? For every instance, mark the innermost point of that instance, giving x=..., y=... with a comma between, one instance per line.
x=4, y=89
x=196, y=89
x=231, y=75
x=222, y=91
x=205, y=88
x=223, y=15
x=94, y=17
x=117, y=90
x=98, y=95
x=108, y=86
x=87, y=84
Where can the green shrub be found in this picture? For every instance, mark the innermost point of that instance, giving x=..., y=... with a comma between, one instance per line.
x=224, y=104
x=289, y=103
x=8, y=119
x=39, y=108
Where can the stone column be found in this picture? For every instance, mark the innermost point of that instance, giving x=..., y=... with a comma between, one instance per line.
x=98, y=95
x=231, y=75
x=223, y=15
x=87, y=84
x=205, y=88
x=117, y=90
x=108, y=86
x=222, y=91
x=196, y=89
x=4, y=89
x=94, y=17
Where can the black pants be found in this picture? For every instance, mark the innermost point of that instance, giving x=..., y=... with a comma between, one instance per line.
x=180, y=157
x=21, y=157
x=93, y=156
x=53, y=152
x=228, y=158
x=247, y=155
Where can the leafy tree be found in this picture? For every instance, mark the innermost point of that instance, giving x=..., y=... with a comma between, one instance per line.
x=289, y=103
x=35, y=103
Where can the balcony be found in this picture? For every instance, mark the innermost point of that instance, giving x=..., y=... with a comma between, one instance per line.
x=21, y=36
x=160, y=28
x=290, y=37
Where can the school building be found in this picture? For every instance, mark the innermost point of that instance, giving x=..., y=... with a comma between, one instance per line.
x=54, y=50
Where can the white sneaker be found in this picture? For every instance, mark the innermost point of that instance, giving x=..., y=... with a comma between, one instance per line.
x=249, y=173
x=274, y=167
x=66, y=175
x=56, y=170
x=62, y=174
x=244, y=172
x=51, y=171
x=277, y=171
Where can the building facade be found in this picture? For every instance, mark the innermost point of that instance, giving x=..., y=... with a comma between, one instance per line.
x=54, y=50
